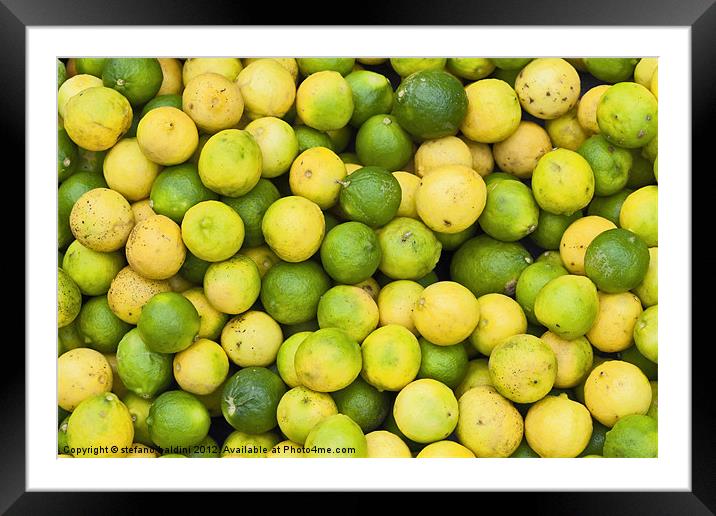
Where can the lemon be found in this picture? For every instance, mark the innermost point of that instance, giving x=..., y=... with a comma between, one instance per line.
x=285, y=358
x=100, y=426
x=483, y=162
x=500, y=317
x=426, y=411
x=640, y=214
x=548, y=87
x=493, y=111
x=615, y=389
x=267, y=87
x=574, y=359
x=587, y=108
x=562, y=182
x=409, y=184
x=448, y=150
x=211, y=320
x=213, y=102
x=129, y=292
x=328, y=360
x=155, y=249
x=324, y=101
x=201, y=368
x=252, y=339
x=72, y=87
x=232, y=286
x=616, y=319
x=300, y=409
x=167, y=136
x=128, y=171
x=229, y=67
x=384, y=445
x=558, y=427
x=101, y=220
x=81, y=374
x=445, y=450
x=350, y=309
x=212, y=231
x=391, y=358
x=336, y=436
x=396, y=302
x=278, y=143
x=316, y=174
x=97, y=117
x=576, y=239
x=230, y=163
x=294, y=227
x=446, y=313
x=477, y=374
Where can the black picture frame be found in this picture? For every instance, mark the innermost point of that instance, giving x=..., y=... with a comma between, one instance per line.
x=699, y=15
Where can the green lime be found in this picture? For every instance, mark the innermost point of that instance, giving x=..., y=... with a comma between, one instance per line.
x=451, y=241
x=350, y=253
x=178, y=188
x=90, y=161
x=177, y=419
x=617, y=260
x=370, y=195
x=409, y=249
x=168, y=323
x=508, y=76
x=92, y=271
x=250, y=399
x=69, y=299
x=627, y=115
x=511, y=63
x=611, y=69
x=446, y=364
x=350, y=309
x=61, y=73
x=634, y=356
x=143, y=371
x=309, y=65
x=634, y=436
x=472, y=68
x=350, y=157
x=162, y=100
x=498, y=176
x=90, y=65
x=139, y=410
x=372, y=95
x=510, y=212
x=363, y=403
x=383, y=143
x=137, y=78
x=67, y=194
x=290, y=291
x=340, y=138
x=485, y=265
x=610, y=206
x=552, y=257
x=99, y=327
x=251, y=208
x=567, y=305
x=193, y=269
x=336, y=436
x=596, y=441
x=531, y=281
x=404, y=66
x=308, y=137
x=66, y=155
x=610, y=164
x=646, y=333
x=524, y=451
x=207, y=448
x=430, y=104
x=551, y=227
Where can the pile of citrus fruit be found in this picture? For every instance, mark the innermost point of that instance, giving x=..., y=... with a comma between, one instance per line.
x=370, y=257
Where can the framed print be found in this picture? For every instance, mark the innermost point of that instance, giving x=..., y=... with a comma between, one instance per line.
x=168, y=282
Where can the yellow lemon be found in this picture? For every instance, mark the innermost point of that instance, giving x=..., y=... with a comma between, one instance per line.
x=72, y=87
x=171, y=76
x=587, y=108
x=167, y=136
x=548, y=87
x=500, y=317
x=409, y=184
x=267, y=87
x=386, y=445
x=426, y=411
x=483, y=162
x=446, y=313
x=97, y=117
x=396, y=302
x=445, y=450
x=449, y=150
x=201, y=368
x=129, y=292
x=316, y=174
x=294, y=228
x=229, y=67
x=252, y=339
x=519, y=153
x=391, y=358
x=613, y=328
x=574, y=359
x=493, y=111
x=81, y=374
x=213, y=102
x=615, y=389
x=155, y=248
x=102, y=219
x=558, y=427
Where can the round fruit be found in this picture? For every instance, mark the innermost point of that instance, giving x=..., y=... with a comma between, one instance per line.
x=640, y=214
x=617, y=260
x=300, y=409
x=336, y=436
x=137, y=78
x=568, y=305
x=363, y=403
x=324, y=101
x=177, y=189
x=446, y=364
x=370, y=195
x=230, y=162
x=168, y=323
x=409, y=249
x=562, y=182
x=350, y=253
x=294, y=228
x=268, y=89
x=317, y=174
x=574, y=359
x=519, y=153
x=155, y=249
x=493, y=111
x=290, y=291
x=250, y=399
x=627, y=115
x=176, y=419
x=252, y=339
x=577, y=238
x=531, y=281
x=167, y=136
x=510, y=213
x=548, y=87
x=634, y=436
x=201, y=368
x=426, y=411
x=92, y=271
x=615, y=389
x=350, y=309
x=611, y=69
x=558, y=427
x=391, y=358
x=446, y=313
x=81, y=373
x=213, y=102
x=646, y=333
x=101, y=220
x=234, y=285
x=100, y=426
x=500, y=317
x=328, y=360
x=212, y=231
x=278, y=143
x=610, y=164
x=97, y=117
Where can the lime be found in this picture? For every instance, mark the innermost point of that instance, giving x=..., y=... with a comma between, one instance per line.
x=640, y=214
x=648, y=289
x=100, y=426
x=500, y=317
x=251, y=207
x=336, y=436
x=137, y=78
x=452, y=241
x=634, y=356
x=69, y=337
x=405, y=66
x=396, y=302
x=290, y=291
x=510, y=213
x=212, y=231
x=340, y=138
x=250, y=399
x=69, y=299
x=610, y=206
x=609, y=163
x=446, y=364
x=328, y=360
x=267, y=88
x=90, y=65
x=551, y=227
x=391, y=358
x=383, y=445
x=523, y=368
x=285, y=356
x=177, y=189
x=477, y=374
x=162, y=100
x=168, y=323
x=558, y=427
x=92, y=271
x=324, y=101
x=430, y=104
x=66, y=155
x=350, y=309
x=309, y=137
x=472, y=68
x=627, y=115
x=350, y=253
x=646, y=333
x=531, y=281
x=193, y=269
x=633, y=436
x=61, y=73
x=230, y=163
x=574, y=359
x=143, y=371
x=278, y=143
x=450, y=198
x=81, y=374
x=493, y=111
x=426, y=411
x=409, y=249
x=363, y=403
x=311, y=65
x=548, y=87
x=252, y=339
x=611, y=69
x=383, y=143
x=232, y=286
x=90, y=161
x=99, y=327
x=595, y=446
x=316, y=174
x=372, y=95
x=97, y=117
x=567, y=305
x=524, y=451
x=370, y=195
x=486, y=265
x=446, y=313
x=615, y=389
x=617, y=260
x=300, y=409
x=576, y=239
x=129, y=292
x=166, y=135
x=562, y=182
x=177, y=419
x=508, y=76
